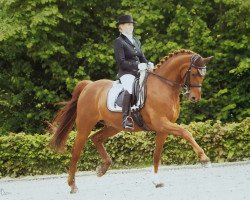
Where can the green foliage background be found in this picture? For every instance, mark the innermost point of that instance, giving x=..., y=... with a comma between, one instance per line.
x=24, y=154
x=47, y=46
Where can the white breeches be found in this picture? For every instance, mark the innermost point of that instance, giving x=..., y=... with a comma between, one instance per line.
x=127, y=81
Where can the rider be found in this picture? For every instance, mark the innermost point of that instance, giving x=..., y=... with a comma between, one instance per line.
x=129, y=59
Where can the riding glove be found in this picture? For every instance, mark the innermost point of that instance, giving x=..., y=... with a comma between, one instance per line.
x=150, y=65
x=142, y=66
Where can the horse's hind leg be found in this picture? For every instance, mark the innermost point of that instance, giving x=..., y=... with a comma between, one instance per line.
x=82, y=135
x=98, y=139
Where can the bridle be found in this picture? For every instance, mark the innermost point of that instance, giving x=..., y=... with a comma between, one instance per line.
x=187, y=80
x=201, y=71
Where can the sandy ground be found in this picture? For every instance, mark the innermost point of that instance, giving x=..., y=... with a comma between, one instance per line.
x=230, y=181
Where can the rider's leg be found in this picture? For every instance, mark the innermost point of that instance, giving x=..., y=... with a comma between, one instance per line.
x=127, y=81
x=126, y=104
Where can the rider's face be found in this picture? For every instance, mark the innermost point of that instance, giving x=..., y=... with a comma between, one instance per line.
x=127, y=28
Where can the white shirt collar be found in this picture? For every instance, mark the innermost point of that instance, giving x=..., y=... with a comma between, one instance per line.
x=130, y=37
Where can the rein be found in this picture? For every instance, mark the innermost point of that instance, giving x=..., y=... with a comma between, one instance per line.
x=165, y=80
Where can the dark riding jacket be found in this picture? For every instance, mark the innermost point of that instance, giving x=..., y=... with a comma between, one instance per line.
x=128, y=55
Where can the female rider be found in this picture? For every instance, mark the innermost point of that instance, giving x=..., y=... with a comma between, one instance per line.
x=129, y=59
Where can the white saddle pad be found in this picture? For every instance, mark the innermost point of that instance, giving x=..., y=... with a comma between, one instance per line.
x=112, y=96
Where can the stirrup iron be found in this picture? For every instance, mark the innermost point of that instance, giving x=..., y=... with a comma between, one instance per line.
x=128, y=123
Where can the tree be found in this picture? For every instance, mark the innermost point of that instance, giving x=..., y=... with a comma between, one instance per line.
x=47, y=46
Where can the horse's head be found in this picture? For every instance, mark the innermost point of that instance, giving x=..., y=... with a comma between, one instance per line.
x=193, y=77
x=183, y=68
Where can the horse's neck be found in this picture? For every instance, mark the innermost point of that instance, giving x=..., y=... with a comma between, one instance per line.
x=172, y=68
x=164, y=97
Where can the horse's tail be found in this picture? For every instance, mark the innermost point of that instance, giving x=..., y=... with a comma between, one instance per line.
x=64, y=120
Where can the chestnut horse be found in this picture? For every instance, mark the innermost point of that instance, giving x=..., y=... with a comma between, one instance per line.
x=183, y=68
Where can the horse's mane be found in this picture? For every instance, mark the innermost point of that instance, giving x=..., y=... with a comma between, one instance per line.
x=176, y=52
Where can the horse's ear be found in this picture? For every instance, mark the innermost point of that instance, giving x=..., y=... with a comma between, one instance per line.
x=207, y=60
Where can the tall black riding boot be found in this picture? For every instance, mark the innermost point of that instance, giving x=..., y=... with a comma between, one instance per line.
x=126, y=104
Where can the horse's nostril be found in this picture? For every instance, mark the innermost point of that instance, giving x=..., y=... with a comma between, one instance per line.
x=193, y=98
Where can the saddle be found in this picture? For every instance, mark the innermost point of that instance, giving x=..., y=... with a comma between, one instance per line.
x=115, y=99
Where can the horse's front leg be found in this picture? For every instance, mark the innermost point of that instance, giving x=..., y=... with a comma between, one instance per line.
x=159, y=142
x=169, y=127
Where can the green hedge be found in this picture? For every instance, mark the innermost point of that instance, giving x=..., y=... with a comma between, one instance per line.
x=24, y=154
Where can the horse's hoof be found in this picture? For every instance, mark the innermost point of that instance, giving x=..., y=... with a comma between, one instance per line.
x=158, y=185
x=99, y=171
x=102, y=169
x=74, y=190
x=157, y=181
x=206, y=164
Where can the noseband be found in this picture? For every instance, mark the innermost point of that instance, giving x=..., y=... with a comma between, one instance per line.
x=187, y=82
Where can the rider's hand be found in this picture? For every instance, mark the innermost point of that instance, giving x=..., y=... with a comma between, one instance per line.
x=150, y=65
x=142, y=66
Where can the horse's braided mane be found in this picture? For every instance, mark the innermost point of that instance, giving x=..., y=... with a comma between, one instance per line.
x=180, y=51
